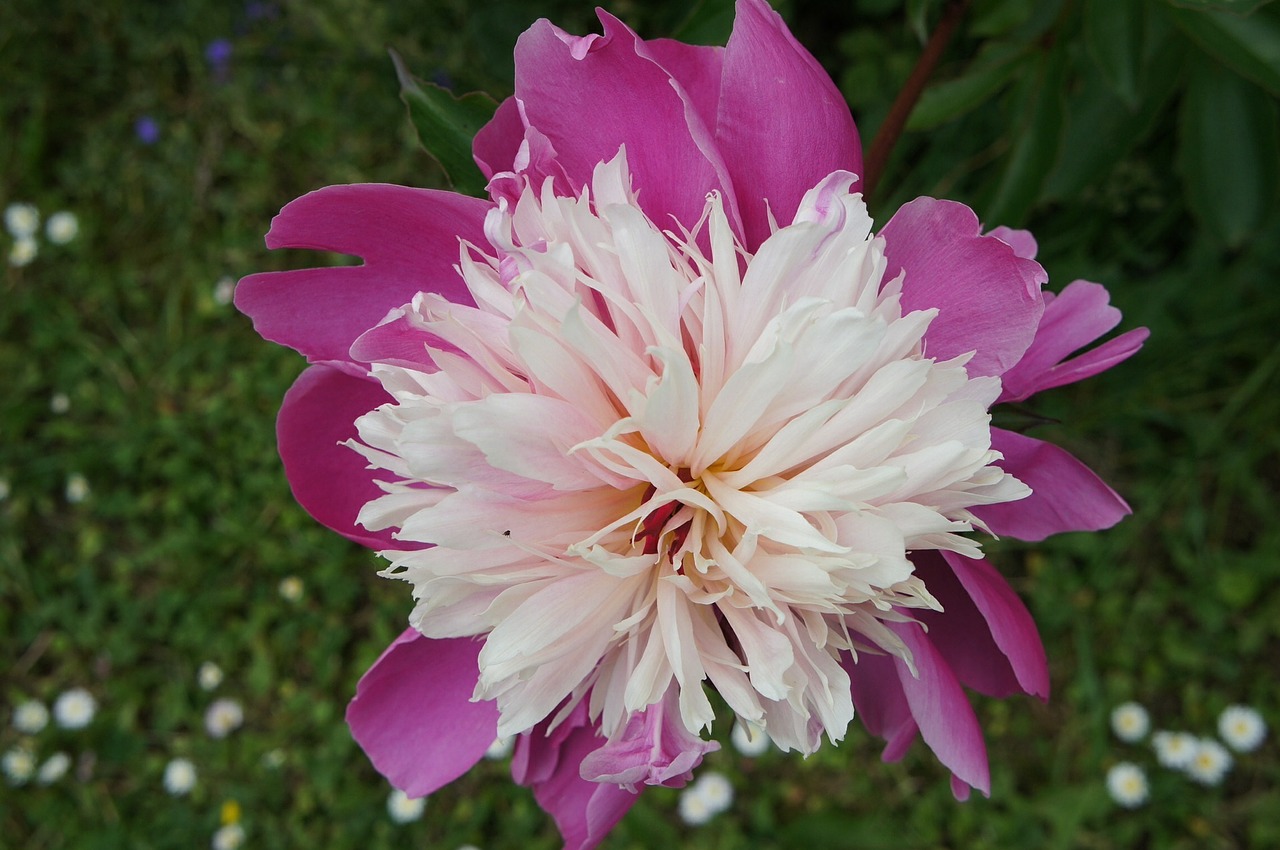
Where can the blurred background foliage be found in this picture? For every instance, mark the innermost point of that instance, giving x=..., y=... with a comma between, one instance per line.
x=1136, y=138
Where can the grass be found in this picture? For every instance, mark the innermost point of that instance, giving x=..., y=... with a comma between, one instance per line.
x=176, y=556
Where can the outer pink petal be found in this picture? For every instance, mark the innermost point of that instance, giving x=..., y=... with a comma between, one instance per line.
x=408, y=239
x=592, y=95
x=697, y=69
x=1079, y=315
x=496, y=145
x=782, y=124
x=329, y=480
x=988, y=298
x=984, y=631
x=413, y=715
x=880, y=702
x=1021, y=241
x=583, y=811
x=1066, y=494
x=942, y=710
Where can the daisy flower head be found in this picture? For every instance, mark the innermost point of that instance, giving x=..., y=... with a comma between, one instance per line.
x=403, y=808
x=179, y=777
x=749, y=740
x=222, y=717
x=1242, y=728
x=209, y=676
x=1174, y=749
x=54, y=768
x=62, y=227
x=224, y=290
x=77, y=489
x=23, y=251
x=228, y=837
x=30, y=716
x=291, y=588
x=1127, y=784
x=22, y=220
x=668, y=411
x=17, y=764
x=1210, y=763
x=74, y=709
x=1130, y=722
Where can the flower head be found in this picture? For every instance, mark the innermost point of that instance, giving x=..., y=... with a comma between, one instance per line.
x=749, y=739
x=1242, y=728
x=54, y=768
x=228, y=837
x=405, y=809
x=18, y=764
x=668, y=411
x=1210, y=763
x=1130, y=722
x=62, y=227
x=147, y=129
x=222, y=717
x=1127, y=784
x=209, y=676
x=23, y=251
x=74, y=709
x=77, y=489
x=179, y=777
x=1174, y=749
x=30, y=717
x=22, y=220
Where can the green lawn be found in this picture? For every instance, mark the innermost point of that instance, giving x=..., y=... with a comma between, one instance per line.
x=1146, y=165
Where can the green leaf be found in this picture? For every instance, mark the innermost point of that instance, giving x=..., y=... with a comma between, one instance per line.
x=1113, y=34
x=951, y=99
x=1036, y=141
x=1228, y=153
x=708, y=22
x=1249, y=44
x=446, y=125
x=1242, y=7
x=918, y=17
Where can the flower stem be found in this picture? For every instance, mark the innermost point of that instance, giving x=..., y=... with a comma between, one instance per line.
x=900, y=111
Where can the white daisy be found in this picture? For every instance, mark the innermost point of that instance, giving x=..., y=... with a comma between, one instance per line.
x=77, y=488
x=54, y=768
x=1130, y=722
x=223, y=717
x=74, y=709
x=500, y=748
x=22, y=220
x=749, y=739
x=30, y=717
x=1242, y=728
x=716, y=790
x=1174, y=749
x=23, y=251
x=209, y=676
x=179, y=777
x=1210, y=763
x=1127, y=784
x=59, y=403
x=18, y=764
x=62, y=227
x=694, y=808
x=228, y=837
x=291, y=588
x=403, y=808
x=224, y=290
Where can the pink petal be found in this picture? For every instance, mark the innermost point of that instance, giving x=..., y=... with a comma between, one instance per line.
x=655, y=748
x=696, y=69
x=496, y=145
x=942, y=710
x=1079, y=315
x=329, y=480
x=583, y=811
x=591, y=96
x=408, y=239
x=782, y=124
x=413, y=715
x=1066, y=494
x=984, y=631
x=881, y=703
x=1021, y=241
x=988, y=298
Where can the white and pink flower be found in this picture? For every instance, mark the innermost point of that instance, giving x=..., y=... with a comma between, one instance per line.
x=667, y=411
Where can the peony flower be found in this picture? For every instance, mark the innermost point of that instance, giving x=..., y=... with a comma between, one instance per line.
x=1241, y=727
x=668, y=411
